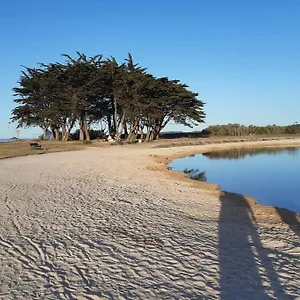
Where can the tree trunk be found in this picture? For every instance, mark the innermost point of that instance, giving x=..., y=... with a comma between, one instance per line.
x=133, y=131
x=67, y=127
x=56, y=134
x=52, y=133
x=141, y=133
x=148, y=135
x=64, y=133
x=151, y=136
x=117, y=137
x=155, y=133
x=81, y=134
x=66, y=136
x=109, y=125
x=131, y=136
x=86, y=131
x=44, y=134
x=125, y=130
x=122, y=123
x=51, y=136
x=81, y=129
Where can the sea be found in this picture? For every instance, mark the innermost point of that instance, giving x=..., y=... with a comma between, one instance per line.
x=11, y=140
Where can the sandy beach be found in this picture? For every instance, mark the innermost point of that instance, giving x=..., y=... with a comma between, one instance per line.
x=114, y=223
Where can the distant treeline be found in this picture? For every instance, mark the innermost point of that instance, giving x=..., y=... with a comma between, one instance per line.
x=86, y=91
x=241, y=130
x=234, y=130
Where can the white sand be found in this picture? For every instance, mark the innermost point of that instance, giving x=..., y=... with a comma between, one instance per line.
x=96, y=224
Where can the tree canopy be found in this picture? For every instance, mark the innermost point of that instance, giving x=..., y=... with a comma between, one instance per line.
x=87, y=90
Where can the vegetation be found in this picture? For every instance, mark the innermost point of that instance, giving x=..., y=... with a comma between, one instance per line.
x=241, y=130
x=22, y=148
x=85, y=91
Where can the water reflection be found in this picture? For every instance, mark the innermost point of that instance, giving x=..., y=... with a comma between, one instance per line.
x=244, y=152
x=270, y=175
x=195, y=174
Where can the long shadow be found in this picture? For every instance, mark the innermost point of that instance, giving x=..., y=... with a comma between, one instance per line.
x=244, y=264
x=290, y=218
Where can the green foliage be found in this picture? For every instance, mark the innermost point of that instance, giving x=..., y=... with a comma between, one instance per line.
x=241, y=130
x=94, y=134
x=292, y=129
x=86, y=91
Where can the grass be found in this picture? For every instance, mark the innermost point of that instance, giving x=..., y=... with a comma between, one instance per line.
x=216, y=140
x=22, y=148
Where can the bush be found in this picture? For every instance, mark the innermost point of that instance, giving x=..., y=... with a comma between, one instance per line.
x=94, y=134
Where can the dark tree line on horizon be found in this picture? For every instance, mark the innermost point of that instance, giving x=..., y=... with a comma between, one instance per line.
x=242, y=130
x=84, y=91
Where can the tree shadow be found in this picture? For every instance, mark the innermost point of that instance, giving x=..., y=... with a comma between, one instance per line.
x=246, y=270
x=290, y=218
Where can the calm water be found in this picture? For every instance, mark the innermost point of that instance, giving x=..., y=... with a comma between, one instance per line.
x=11, y=140
x=272, y=176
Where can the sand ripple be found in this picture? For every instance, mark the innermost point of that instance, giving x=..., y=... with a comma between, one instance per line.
x=96, y=224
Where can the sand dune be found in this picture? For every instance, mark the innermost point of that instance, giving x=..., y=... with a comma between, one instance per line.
x=100, y=224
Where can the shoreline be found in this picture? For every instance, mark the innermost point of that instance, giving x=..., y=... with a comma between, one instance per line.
x=83, y=224
x=180, y=151
x=262, y=213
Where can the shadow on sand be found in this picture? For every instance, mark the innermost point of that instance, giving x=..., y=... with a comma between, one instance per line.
x=246, y=270
x=289, y=218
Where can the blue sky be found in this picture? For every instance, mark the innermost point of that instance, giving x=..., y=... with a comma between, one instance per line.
x=242, y=57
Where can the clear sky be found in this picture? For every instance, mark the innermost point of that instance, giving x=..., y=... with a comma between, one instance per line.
x=242, y=57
